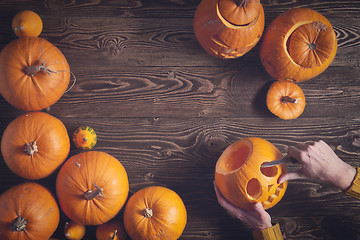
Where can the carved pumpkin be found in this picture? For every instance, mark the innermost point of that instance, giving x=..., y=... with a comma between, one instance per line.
x=229, y=28
x=285, y=99
x=28, y=211
x=27, y=23
x=84, y=138
x=298, y=45
x=34, y=74
x=155, y=213
x=74, y=231
x=241, y=179
x=92, y=187
x=112, y=230
x=34, y=145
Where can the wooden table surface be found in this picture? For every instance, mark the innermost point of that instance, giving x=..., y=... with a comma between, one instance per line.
x=167, y=109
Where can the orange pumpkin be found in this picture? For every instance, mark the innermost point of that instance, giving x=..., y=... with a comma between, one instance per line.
x=34, y=74
x=155, y=213
x=285, y=99
x=34, y=145
x=27, y=23
x=92, y=187
x=84, y=138
x=298, y=45
x=28, y=212
x=241, y=179
x=112, y=230
x=74, y=231
x=229, y=28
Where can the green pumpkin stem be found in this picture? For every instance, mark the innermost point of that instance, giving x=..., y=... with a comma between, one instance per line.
x=287, y=99
x=93, y=193
x=19, y=224
x=31, y=148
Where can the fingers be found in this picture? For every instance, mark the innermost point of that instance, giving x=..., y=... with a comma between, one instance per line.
x=292, y=176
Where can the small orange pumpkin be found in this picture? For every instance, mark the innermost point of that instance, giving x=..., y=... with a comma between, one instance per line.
x=34, y=74
x=112, y=230
x=92, y=187
x=35, y=144
x=27, y=23
x=240, y=178
x=285, y=99
x=229, y=28
x=84, y=138
x=74, y=231
x=28, y=212
x=298, y=45
x=155, y=213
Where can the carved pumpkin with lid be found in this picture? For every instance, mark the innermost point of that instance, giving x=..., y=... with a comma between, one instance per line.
x=229, y=28
x=298, y=45
x=241, y=179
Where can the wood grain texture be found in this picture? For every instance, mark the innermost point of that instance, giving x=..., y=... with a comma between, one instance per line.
x=167, y=110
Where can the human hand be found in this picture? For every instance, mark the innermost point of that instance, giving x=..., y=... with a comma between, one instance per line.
x=257, y=218
x=319, y=162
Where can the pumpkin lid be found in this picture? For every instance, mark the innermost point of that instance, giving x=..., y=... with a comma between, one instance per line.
x=239, y=12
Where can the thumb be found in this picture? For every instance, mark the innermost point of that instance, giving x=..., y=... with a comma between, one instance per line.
x=291, y=176
x=258, y=207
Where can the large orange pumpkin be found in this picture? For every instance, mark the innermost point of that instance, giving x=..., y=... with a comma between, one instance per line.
x=285, y=99
x=241, y=179
x=92, y=187
x=155, y=213
x=229, y=28
x=34, y=74
x=28, y=212
x=298, y=45
x=35, y=144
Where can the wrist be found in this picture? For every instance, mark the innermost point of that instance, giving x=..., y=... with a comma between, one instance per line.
x=346, y=178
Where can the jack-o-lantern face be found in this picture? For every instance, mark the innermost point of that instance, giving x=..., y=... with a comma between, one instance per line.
x=241, y=179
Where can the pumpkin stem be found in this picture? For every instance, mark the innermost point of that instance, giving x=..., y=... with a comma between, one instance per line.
x=21, y=27
x=148, y=212
x=312, y=46
x=241, y=3
x=286, y=99
x=93, y=193
x=114, y=235
x=85, y=139
x=30, y=148
x=19, y=224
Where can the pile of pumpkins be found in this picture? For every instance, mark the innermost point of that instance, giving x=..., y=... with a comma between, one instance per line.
x=92, y=186
x=298, y=45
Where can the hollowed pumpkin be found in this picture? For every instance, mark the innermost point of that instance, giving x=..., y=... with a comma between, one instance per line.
x=92, y=187
x=240, y=178
x=34, y=145
x=298, y=45
x=34, y=74
x=285, y=99
x=229, y=28
x=28, y=211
